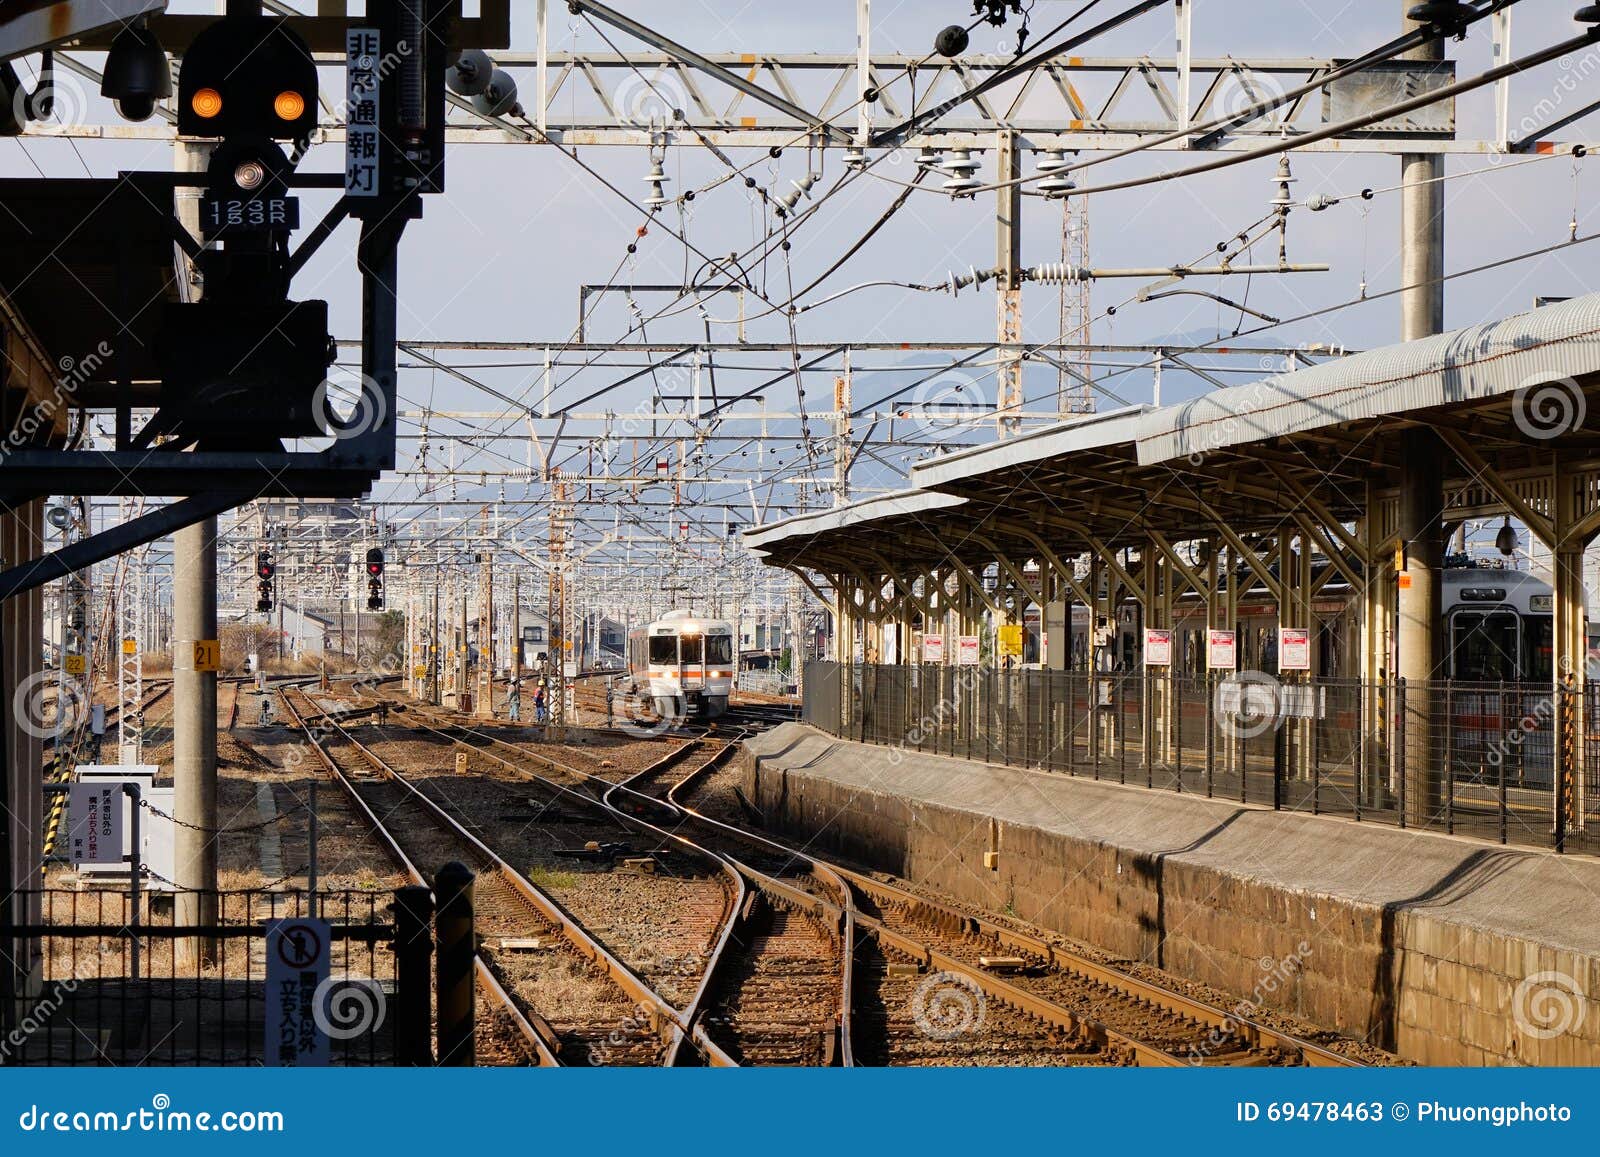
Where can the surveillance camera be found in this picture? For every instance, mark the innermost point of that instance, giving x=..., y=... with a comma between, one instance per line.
x=136, y=108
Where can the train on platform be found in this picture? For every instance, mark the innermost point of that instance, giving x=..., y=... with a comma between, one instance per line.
x=682, y=665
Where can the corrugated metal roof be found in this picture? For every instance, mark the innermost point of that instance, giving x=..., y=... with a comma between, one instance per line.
x=1088, y=432
x=1482, y=361
x=901, y=502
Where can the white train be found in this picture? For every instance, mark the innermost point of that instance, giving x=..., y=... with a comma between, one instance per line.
x=682, y=664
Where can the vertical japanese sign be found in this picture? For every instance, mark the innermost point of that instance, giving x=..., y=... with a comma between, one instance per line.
x=1157, y=647
x=94, y=812
x=967, y=650
x=1222, y=650
x=297, y=972
x=1294, y=649
x=361, y=49
x=933, y=648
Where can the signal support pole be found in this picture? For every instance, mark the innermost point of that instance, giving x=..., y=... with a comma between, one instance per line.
x=1421, y=471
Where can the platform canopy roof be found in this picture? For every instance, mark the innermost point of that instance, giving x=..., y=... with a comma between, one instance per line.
x=1509, y=397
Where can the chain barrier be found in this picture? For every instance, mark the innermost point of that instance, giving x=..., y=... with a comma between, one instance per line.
x=255, y=827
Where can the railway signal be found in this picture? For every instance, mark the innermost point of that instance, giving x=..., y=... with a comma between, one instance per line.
x=266, y=570
x=374, y=579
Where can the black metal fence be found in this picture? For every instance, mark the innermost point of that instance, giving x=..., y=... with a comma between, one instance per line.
x=114, y=984
x=1327, y=747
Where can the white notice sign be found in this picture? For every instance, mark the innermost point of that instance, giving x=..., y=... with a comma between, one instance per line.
x=94, y=816
x=1294, y=649
x=967, y=650
x=933, y=648
x=297, y=969
x=1157, y=647
x=1222, y=650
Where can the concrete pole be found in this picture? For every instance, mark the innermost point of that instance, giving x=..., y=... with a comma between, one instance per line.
x=486, y=640
x=516, y=627
x=1421, y=473
x=194, y=736
x=194, y=693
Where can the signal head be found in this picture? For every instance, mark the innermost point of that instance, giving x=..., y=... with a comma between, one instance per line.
x=248, y=76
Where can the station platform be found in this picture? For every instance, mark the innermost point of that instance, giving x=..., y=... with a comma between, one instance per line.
x=1443, y=949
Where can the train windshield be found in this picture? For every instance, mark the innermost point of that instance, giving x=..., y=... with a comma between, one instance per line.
x=1538, y=648
x=663, y=650
x=1485, y=647
x=691, y=650
x=719, y=649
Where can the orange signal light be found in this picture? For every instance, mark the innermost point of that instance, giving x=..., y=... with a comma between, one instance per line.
x=206, y=102
x=289, y=105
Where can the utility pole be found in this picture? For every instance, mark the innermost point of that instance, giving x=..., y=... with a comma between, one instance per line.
x=486, y=637
x=842, y=393
x=194, y=690
x=1008, y=285
x=516, y=628
x=434, y=655
x=1420, y=553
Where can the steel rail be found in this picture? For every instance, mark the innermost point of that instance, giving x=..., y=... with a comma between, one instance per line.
x=684, y=1021
x=993, y=988
x=544, y=1044
x=1252, y=1032
x=841, y=926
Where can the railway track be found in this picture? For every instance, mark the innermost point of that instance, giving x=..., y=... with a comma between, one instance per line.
x=1088, y=1010
x=568, y=998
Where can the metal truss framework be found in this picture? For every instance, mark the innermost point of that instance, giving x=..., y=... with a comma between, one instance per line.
x=1078, y=103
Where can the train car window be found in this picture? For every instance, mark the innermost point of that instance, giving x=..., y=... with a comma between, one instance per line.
x=719, y=648
x=663, y=650
x=1538, y=649
x=1484, y=648
x=693, y=650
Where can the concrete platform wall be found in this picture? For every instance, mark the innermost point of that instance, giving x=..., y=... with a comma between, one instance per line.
x=1447, y=951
